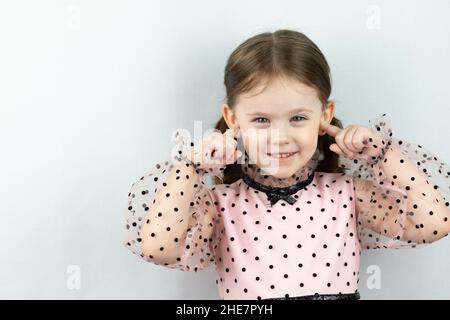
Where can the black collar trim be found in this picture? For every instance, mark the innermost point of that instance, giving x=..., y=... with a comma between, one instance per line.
x=274, y=194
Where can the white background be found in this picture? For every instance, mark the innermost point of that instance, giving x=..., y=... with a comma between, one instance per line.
x=90, y=92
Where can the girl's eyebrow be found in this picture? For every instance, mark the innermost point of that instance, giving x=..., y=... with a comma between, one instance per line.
x=268, y=114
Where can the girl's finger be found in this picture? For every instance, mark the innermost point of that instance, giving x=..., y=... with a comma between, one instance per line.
x=232, y=133
x=209, y=155
x=236, y=133
x=222, y=142
x=335, y=148
x=358, y=139
x=235, y=156
x=340, y=142
x=349, y=140
x=332, y=130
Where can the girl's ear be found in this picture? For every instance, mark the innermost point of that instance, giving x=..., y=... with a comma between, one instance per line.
x=229, y=116
x=327, y=116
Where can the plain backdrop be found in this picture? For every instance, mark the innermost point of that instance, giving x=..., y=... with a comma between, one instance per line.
x=90, y=92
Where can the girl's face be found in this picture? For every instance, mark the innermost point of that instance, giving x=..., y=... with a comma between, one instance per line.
x=285, y=118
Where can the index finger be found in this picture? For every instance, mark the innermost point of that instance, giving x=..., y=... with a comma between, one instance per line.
x=332, y=130
x=233, y=132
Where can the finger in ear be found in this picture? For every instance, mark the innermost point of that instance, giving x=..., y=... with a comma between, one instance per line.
x=335, y=148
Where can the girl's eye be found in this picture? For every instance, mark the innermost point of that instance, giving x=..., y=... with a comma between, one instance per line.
x=298, y=117
x=265, y=120
x=256, y=120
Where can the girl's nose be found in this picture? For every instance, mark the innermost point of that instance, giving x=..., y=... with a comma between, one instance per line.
x=280, y=136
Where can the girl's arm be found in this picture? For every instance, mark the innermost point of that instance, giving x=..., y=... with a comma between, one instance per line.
x=171, y=216
x=417, y=216
x=401, y=195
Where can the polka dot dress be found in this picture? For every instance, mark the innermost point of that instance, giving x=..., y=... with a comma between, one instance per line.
x=287, y=250
x=282, y=238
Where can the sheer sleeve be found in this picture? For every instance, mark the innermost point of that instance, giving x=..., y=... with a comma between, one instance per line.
x=401, y=195
x=170, y=216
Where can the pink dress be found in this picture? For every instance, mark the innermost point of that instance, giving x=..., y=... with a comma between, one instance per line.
x=287, y=250
x=295, y=237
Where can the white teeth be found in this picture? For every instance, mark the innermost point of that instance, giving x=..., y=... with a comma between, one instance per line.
x=281, y=155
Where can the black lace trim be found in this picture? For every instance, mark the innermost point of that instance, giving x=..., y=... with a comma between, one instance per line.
x=339, y=296
x=275, y=194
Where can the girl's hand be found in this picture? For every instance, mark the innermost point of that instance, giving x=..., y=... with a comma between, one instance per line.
x=355, y=142
x=216, y=149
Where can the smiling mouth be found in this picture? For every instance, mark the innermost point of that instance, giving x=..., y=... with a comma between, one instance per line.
x=282, y=155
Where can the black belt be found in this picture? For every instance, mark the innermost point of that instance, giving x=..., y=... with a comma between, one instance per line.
x=339, y=296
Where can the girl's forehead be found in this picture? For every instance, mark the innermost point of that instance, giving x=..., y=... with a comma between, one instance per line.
x=280, y=96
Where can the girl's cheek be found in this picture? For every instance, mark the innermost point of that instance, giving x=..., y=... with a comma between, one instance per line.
x=255, y=140
x=248, y=143
x=256, y=146
x=307, y=136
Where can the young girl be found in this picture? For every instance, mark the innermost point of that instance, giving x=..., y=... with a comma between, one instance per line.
x=299, y=196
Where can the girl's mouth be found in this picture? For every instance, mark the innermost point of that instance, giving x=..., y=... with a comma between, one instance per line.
x=282, y=155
